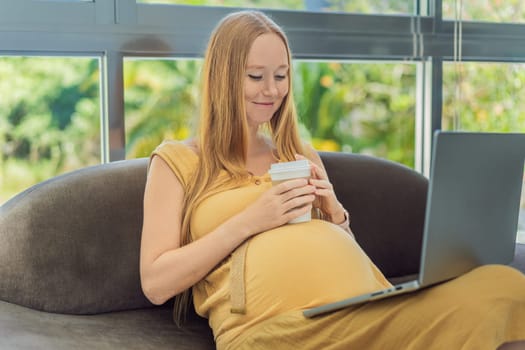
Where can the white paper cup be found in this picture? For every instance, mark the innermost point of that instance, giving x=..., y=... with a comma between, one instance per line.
x=299, y=169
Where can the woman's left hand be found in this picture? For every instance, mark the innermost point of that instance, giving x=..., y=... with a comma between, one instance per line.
x=326, y=199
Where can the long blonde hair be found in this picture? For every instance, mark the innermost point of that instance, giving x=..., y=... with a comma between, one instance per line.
x=222, y=129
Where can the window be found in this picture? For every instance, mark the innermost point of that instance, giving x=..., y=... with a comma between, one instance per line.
x=49, y=119
x=161, y=101
x=358, y=107
x=485, y=10
x=481, y=96
x=342, y=106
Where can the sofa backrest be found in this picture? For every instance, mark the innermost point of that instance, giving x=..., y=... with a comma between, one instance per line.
x=386, y=202
x=71, y=244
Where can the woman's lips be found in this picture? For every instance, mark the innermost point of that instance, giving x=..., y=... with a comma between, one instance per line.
x=264, y=104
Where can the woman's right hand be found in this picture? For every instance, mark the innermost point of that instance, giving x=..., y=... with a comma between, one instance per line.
x=280, y=204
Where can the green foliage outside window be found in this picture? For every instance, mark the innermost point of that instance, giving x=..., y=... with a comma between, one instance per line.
x=49, y=111
x=161, y=102
x=362, y=108
x=484, y=97
x=49, y=119
x=365, y=108
x=486, y=10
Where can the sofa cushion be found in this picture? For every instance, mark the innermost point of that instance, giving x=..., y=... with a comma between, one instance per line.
x=144, y=329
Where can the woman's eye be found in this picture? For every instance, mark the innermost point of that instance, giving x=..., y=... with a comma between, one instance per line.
x=255, y=77
x=280, y=77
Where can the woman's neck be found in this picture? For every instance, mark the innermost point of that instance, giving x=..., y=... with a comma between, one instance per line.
x=260, y=154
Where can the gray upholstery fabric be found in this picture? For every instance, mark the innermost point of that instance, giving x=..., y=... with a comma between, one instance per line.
x=144, y=329
x=71, y=244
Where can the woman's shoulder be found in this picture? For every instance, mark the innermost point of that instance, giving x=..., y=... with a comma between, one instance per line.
x=177, y=148
x=181, y=156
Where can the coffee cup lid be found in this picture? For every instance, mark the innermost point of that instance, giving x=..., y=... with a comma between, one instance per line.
x=302, y=164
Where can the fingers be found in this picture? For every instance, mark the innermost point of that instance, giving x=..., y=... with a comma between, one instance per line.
x=317, y=172
x=296, y=212
x=323, y=188
x=319, y=179
x=322, y=184
x=288, y=185
x=298, y=197
x=295, y=193
x=298, y=202
x=325, y=197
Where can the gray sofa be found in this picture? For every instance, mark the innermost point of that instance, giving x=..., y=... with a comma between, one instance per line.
x=69, y=253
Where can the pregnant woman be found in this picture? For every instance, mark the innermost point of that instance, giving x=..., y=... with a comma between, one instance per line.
x=214, y=225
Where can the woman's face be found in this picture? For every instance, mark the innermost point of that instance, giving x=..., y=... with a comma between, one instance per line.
x=266, y=78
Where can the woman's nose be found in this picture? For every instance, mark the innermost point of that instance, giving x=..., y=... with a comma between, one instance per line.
x=270, y=88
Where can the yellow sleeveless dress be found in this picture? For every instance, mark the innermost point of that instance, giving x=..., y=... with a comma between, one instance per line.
x=253, y=299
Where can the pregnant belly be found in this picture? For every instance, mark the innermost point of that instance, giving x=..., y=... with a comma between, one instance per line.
x=304, y=265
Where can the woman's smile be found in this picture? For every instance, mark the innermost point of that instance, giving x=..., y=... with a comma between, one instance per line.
x=264, y=104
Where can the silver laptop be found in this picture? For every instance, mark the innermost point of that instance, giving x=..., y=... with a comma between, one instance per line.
x=471, y=213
